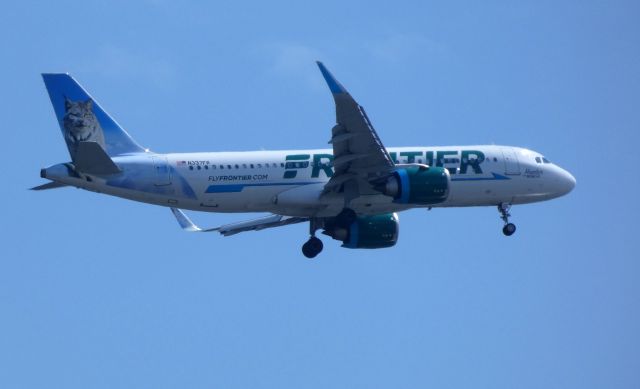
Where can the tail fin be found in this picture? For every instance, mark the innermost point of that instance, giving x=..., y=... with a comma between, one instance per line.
x=82, y=119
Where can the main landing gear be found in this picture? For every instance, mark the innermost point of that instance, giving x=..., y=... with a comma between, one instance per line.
x=341, y=222
x=312, y=247
x=509, y=228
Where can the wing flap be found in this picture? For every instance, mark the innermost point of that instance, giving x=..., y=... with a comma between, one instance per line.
x=342, y=137
x=260, y=224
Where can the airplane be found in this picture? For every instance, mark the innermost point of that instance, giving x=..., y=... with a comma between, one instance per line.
x=351, y=192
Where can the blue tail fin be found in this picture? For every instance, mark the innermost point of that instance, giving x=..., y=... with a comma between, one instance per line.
x=82, y=119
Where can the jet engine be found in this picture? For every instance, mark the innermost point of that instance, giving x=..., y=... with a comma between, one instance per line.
x=365, y=232
x=417, y=184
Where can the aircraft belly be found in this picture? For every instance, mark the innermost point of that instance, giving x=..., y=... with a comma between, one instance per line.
x=476, y=193
x=247, y=200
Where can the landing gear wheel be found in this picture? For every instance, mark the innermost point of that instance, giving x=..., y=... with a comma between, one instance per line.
x=509, y=229
x=312, y=247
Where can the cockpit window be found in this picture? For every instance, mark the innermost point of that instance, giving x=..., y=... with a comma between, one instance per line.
x=545, y=160
x=538, y=160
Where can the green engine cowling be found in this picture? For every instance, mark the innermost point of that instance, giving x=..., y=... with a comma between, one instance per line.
x=418, y=184
x=369, y=232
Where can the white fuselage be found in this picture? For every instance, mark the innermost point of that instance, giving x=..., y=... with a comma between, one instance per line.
x=291, y=182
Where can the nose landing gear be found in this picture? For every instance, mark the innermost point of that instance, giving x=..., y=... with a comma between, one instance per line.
x=509, y=228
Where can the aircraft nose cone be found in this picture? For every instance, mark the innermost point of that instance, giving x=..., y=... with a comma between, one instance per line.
x=566, y=182
x=572, y=182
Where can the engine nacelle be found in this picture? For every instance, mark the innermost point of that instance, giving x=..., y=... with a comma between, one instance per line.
x=367, y=232
x=418, y=184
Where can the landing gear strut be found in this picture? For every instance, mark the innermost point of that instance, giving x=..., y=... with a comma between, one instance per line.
x=509, y=228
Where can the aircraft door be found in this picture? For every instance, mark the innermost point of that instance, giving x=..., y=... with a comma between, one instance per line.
x=511, y=164
x=162, y=172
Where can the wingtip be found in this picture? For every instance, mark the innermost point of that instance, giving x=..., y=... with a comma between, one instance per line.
x=187, y=224
x=334, y=85
x=184, y=222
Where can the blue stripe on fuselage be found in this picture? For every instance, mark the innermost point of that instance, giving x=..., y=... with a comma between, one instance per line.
x=494, y=177
x=234, y=188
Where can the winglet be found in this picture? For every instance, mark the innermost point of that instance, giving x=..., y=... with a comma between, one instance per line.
x=334, y=85
x=186, y=223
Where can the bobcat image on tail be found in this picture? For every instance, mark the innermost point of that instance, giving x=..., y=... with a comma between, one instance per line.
x=80, y=124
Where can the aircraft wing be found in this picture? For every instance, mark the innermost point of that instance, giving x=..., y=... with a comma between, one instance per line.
x=49, y=185
x=359, y=155
x=235, y=228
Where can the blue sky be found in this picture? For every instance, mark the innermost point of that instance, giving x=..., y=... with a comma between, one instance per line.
x=100, y=292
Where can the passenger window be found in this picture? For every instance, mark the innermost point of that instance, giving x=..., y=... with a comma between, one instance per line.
x=237, y=166
x=259, y=166
x=228, y=166
x=221, y=166
x=190, y=167
x=244, y=165
x=297, y=165
x=251, y=166
x=199, y=167
x=281, y=164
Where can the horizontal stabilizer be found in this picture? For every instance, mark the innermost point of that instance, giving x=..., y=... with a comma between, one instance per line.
x=235, y=228
x=49, y=185
x=92, y=159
